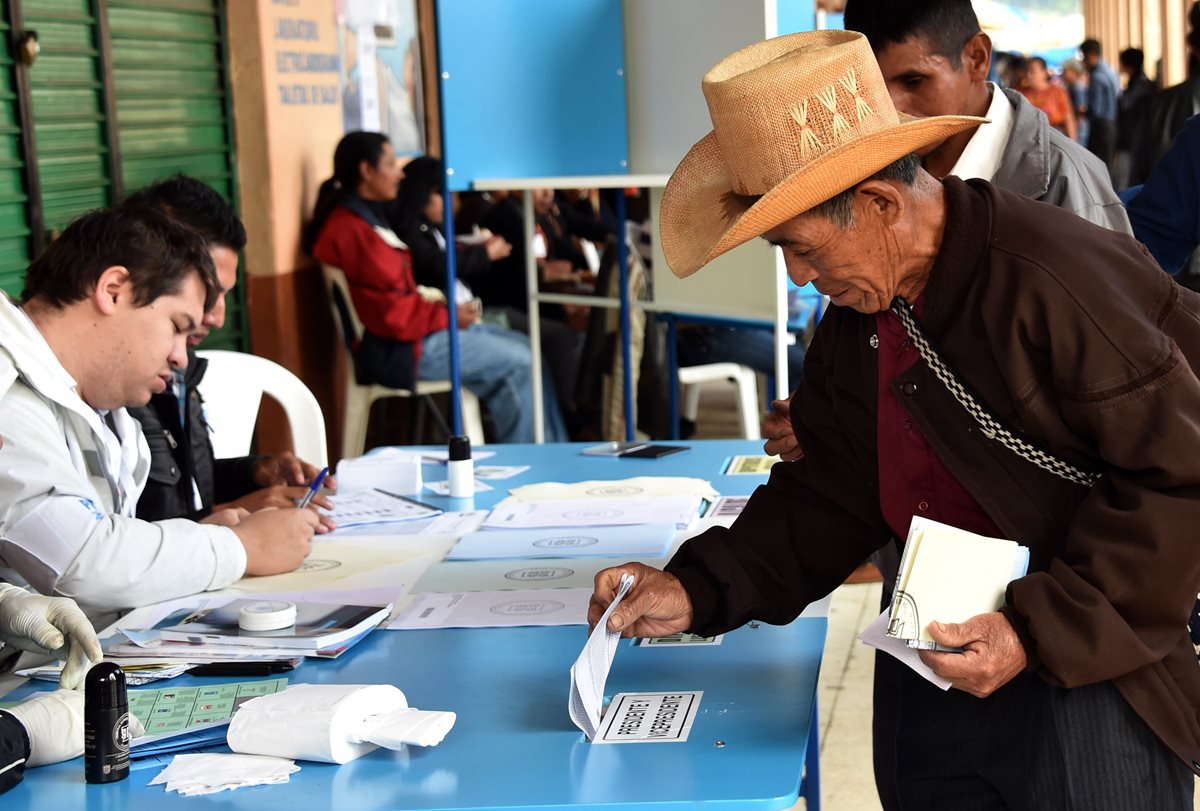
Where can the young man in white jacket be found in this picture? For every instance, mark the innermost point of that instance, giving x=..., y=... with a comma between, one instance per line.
x=103, y=321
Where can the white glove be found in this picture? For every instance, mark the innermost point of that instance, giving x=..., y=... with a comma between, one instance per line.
x=54, y=723
x=51, y=625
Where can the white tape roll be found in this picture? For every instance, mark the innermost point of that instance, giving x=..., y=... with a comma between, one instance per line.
x=268, y=615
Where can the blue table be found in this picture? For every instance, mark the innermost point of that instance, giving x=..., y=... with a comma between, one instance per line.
x=514, y=745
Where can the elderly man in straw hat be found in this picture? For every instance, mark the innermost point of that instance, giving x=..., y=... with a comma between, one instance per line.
x=990, y=362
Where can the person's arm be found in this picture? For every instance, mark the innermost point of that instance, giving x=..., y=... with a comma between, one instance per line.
x=54, y=534
x=234, y=478
x=1166, y=213
x=807, y=528
x=1119, y=594
x=1072, y=125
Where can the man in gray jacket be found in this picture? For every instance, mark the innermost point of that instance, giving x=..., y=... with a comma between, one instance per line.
x=935, y=59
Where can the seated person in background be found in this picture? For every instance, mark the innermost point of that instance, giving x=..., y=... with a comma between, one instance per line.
x=407, y=335
x=49, y=727
x=102, y=323
x=417, y=217
x=186, y=481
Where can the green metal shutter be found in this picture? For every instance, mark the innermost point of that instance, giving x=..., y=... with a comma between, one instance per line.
x=173, y=106
x=14, y=198
x=68, y=110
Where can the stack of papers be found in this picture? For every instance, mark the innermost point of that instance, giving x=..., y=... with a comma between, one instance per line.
x=389, y=469
x=186, y=718
x=191, y=775
x=495, y=609
x=633, y=488
x=377, y=506
x=949, y=575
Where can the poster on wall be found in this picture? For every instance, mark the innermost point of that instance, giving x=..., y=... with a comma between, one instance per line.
x=381, y=70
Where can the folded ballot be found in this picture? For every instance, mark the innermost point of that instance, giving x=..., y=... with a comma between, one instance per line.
x=949, y=575
x=334, y=723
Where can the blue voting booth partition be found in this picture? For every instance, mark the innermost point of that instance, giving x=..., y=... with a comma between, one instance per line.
x=532, y=88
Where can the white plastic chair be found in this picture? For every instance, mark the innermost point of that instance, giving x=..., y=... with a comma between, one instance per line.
x=233, y=387
x=743, y=377
x=360, y=397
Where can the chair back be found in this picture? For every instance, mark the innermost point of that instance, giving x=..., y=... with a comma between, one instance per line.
x=342, y=307
x=232, y=388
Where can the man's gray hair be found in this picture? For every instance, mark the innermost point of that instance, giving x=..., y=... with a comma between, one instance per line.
x=840, y=209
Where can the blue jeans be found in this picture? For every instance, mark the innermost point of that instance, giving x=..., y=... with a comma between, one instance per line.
x=495, y=365
x=749, y=347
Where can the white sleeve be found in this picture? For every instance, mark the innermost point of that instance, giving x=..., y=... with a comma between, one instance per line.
x=57, y=534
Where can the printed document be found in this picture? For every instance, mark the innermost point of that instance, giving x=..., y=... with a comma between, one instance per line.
x=635, y=488
x=640, y=539
x=590, y=671
x=495, y=609
x=681, y=511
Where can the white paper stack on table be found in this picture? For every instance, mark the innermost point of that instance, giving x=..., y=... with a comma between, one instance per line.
x=647, y=540
x=191, y=775
x=946, y=575
x=374, y=489
x=632, y=488
x=682, y=511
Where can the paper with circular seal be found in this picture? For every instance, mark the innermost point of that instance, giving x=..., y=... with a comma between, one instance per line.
x=590, y=671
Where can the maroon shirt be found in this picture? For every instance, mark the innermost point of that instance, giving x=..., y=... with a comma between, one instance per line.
x=912, y=479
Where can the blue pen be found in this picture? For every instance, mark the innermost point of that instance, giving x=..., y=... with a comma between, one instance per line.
x=314, y=487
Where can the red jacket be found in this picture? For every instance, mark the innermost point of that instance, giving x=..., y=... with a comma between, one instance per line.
x=381, y=280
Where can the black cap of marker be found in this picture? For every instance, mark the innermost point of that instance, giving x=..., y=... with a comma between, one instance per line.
x=460, y=448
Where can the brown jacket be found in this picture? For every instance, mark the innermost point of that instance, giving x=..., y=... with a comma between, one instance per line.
x=1071, y=334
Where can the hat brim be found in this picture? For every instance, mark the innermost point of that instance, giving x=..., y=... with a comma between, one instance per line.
x=701, y=217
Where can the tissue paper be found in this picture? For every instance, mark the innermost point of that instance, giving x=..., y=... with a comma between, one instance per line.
x=333, y=723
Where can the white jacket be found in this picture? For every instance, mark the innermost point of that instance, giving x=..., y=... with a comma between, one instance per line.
x=69, y=486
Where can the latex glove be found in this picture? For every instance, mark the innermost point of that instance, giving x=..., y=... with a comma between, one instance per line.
x=54, y=723
x=51, y=625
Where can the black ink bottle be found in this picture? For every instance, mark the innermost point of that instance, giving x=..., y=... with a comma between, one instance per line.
x=105, y=724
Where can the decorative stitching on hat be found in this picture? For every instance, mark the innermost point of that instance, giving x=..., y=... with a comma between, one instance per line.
x=828, y=97
x=809, y=142
x=861, y=108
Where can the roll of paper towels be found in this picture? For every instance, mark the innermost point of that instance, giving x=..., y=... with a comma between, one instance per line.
x=333, y=723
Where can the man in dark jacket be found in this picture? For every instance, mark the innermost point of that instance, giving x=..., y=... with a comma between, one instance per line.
x=1081, y=690
x=186, y=481
x=935, y=58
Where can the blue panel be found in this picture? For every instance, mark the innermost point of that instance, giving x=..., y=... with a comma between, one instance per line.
x=536, y=88
x=796, y=15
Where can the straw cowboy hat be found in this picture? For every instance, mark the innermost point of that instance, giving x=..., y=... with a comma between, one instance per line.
x=796, y=121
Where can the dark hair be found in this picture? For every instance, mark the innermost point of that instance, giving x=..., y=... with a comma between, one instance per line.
x=159, y=253
x=1133, y=58
x=422, y=178
x=1090, y=47
x=198, y=206
x=839, y=209
x=947, y=25
x=1017, y=62
x=352, y=150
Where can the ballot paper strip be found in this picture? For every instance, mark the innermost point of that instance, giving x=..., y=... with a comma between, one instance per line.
x=949, y=575
x=376, y=506
x=448, y=523
x=640, y=539
x=389, y=469
x=590, y=671
x=494, y=609
x=875, y=636
x=192, y=775
x=650, y=717
x=637, y=487
x=682, y=511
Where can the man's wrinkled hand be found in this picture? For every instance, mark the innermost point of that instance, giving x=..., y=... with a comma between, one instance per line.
x=657, y=605
x=777, y=430
x=992, y=655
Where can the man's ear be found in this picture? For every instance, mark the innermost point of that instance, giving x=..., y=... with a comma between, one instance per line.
x=112, y=286
x=878, y=200
x=977, y=56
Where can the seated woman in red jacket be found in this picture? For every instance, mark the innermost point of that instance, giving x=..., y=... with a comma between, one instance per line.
x=406, y=335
